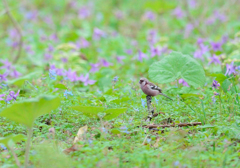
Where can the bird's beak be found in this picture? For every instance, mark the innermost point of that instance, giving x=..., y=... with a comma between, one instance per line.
x=139, y=82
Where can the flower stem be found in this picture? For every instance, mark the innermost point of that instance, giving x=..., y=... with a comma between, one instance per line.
x=29, y=136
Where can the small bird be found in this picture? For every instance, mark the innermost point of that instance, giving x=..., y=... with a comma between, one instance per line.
x=150, y=89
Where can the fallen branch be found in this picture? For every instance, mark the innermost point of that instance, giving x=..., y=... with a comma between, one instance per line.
x=173, y=125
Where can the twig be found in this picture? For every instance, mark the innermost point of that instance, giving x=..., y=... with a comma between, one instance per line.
x=15, y=157
x=178, y=125
x=17, y=27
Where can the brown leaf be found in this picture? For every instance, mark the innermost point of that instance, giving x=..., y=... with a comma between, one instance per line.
x=72, y=148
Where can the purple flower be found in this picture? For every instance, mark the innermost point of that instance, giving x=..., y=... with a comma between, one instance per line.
x=149, y=15
x=183, y=82
x=105, y=63
x=48, y=20
x=118, y=14
x=64, y=60
x=200, y=41
x=98, y=33
x=224, y=39
x=60, y=72
x=216, y=46
x=214, y=60
x=53, y=37
x=230, y=69
x=188, y=30
x=32, y=15
x=128, y=51
x=6, y=65
x=12, y=95
x=211, y=20
x=178, y=12
x=71, y=75
x=2, y=95
x=120, y=58
x=192, y=3
x=94, y=67
x=15, y=73
x=13, y=33
x=155, y=51
x=3, y=77
x=82, y=43
x=48, y=56
x=204, y=48
x=141, y=55
x=215, y=84
x=84, y=12
x=198, y=54
x=220, y=16
x=86, y=80
x=29, y=50
x=152, y=36
x=50, y=48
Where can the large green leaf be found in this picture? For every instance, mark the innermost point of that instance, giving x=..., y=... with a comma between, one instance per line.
x=219, y=77
x=176, y=66
x=114, y=113
x=14, y=138
x=89, y=111
x=20, y=81
x=25, y=112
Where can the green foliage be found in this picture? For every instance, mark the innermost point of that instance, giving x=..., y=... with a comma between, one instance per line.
x=219, y=77
x=114, y=113
x=176, y=66
x=93, y=112
x=25, y=112
x=60, y=86
x=14, y=138
x=21, y=80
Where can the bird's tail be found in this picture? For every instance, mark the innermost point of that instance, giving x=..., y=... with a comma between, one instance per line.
x=166, y=96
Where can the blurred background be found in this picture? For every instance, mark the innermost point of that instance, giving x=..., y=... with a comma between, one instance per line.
x=111, y=38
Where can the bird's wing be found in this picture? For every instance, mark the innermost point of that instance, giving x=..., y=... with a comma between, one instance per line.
x=154, y=87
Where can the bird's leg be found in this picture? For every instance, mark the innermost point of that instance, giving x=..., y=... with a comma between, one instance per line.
x=150, y=109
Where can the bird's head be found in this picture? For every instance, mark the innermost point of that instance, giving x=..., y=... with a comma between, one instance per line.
x=143, y=81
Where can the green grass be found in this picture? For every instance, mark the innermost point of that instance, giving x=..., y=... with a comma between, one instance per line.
x=122, y=141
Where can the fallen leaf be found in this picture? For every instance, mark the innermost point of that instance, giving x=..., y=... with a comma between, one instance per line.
x=72, y=148
x=80, y=134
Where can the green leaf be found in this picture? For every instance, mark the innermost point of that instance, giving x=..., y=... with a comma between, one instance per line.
x=227, y=86
x=114, y=113
x=219, y=77
x=115, y=131
x=14, y=138
x=60, y=86
x=175, y=66
x=89, y=111
x=159, y=6
x=184, y=96
x=20, y=81
x=25, y=112
x=206, y=126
